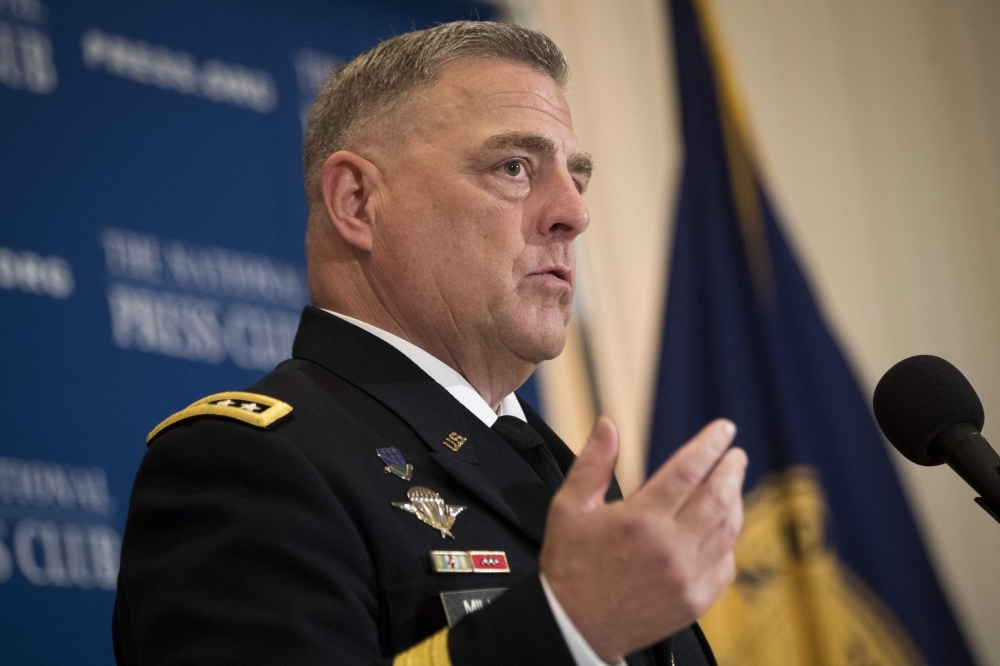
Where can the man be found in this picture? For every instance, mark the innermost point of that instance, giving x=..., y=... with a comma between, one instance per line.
x=365, y=497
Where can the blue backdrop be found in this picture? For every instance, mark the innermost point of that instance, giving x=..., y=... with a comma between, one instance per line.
x=151, y=223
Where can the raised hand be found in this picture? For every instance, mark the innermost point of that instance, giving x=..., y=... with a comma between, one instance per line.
x=633, y=572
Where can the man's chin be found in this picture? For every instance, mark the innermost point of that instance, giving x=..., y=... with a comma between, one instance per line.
x=535, y=344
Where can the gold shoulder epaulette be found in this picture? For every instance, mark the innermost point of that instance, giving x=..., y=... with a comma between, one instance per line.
x=258, y=410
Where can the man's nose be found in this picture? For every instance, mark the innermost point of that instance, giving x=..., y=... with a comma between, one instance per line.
x=565, y=211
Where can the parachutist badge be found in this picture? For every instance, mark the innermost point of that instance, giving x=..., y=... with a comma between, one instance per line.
x=431, y=509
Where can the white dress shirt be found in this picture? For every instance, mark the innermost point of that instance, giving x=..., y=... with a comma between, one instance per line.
x=463, y=391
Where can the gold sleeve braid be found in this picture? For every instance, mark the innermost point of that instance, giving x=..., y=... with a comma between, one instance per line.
x=430, y=652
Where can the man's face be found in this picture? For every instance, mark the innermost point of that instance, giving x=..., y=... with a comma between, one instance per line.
x=474, y=227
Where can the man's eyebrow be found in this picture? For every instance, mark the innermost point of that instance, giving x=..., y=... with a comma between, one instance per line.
x=580, y=162
x=535, y=143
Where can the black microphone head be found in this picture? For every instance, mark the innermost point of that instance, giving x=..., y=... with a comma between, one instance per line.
x=918, y=398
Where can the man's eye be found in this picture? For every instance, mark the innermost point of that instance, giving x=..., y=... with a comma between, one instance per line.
x=513, y=168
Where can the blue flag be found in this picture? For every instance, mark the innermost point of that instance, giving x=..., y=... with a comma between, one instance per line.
x=830, y=567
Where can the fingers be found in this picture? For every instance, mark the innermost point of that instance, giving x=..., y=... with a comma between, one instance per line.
x=680, y=476
x=718, y=507
x=711, y=501
x=590, y=475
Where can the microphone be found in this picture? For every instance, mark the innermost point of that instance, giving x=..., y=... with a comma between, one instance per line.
x=929, y=411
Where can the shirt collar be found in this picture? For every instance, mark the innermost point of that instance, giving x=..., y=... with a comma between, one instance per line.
x=457, y=385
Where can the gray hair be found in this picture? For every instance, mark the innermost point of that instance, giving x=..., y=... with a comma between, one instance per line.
x=381, y=79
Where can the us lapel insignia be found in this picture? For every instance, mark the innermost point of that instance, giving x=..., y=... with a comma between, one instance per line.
x=454, y=441
x=395, y=462
x=469, y=561
x=431, y=509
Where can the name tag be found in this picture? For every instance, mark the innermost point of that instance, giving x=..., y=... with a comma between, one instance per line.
x=460, y=603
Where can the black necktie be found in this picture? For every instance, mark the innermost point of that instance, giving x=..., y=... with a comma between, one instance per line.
x=529, y=444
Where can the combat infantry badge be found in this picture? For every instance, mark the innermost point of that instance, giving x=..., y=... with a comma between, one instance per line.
x=431, y=509
x=395, y=463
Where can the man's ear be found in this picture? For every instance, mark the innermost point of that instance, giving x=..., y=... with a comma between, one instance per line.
x=347, y=183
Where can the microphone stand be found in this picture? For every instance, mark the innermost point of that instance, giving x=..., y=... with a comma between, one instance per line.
x=986, y=507
x=967, y=452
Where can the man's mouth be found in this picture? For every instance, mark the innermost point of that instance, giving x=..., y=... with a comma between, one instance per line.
x=562, y=274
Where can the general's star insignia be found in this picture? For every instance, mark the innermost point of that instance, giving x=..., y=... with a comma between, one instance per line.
x=431, y=509
x=255, y=409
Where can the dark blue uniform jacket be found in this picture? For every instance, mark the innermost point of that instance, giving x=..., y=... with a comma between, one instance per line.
x=246, y=545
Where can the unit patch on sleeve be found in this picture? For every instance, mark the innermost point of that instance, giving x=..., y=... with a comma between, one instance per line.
x=258, y=410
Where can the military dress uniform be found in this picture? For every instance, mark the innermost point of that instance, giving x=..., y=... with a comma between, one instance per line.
x=342, y=511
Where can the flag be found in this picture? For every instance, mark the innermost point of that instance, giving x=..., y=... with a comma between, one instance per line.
x=830, y=567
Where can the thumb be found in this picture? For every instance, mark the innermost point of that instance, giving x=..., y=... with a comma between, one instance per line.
x=590, y=475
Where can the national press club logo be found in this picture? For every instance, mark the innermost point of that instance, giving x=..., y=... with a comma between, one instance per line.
x=55, y=525
x=205, y=304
